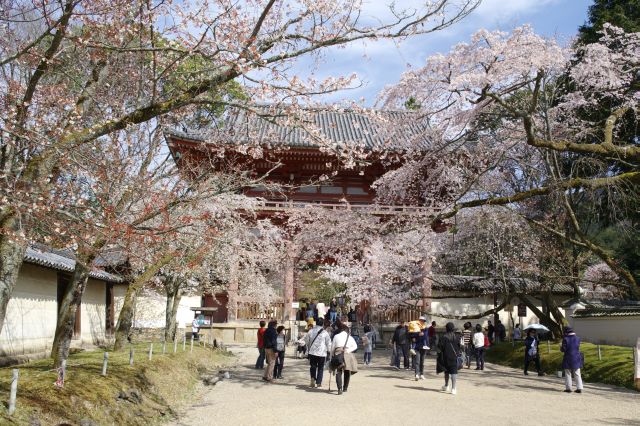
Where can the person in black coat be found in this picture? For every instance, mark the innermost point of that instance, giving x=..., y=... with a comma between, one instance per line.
x=448, y=353
x=270, y=347
x=402, y=346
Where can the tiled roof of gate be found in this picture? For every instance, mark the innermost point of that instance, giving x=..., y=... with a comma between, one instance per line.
x=343, y=127
x=62, y=260
x=490, y=285
x=609, y=308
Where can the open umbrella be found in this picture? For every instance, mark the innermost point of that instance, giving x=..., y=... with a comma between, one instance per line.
x=537, y=327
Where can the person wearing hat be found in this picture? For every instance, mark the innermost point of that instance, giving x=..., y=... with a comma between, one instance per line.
x=419, y=344
x=448, y=352
x=572, y=360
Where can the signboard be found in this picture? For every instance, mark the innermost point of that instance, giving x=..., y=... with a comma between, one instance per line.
x=522, y=310
x=295, y=305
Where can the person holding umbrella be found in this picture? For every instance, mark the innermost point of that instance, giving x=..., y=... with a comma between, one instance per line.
x=531, y=352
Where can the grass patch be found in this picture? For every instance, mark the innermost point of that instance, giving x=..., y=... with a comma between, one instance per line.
x=615, y=368
x=165, y=383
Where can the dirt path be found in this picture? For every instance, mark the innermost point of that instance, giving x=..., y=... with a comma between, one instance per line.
x=380, y=395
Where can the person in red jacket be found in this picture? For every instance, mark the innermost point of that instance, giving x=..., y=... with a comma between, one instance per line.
x=260, y=361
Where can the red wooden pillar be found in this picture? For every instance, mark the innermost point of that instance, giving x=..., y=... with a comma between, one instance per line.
x=427, y=283
x=289, y=281
x=232, y=293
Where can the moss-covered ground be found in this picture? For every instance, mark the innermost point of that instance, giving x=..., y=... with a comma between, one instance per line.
x=165, y=383
x=615, y=367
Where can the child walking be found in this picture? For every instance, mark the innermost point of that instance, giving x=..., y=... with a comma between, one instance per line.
x=367, y=344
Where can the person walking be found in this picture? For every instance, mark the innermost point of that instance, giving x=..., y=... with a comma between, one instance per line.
x=467, y=344
x=399, y=340
x=311, y=307
x=447, y=362
x=261, y=353
x=517, y=334
x=195, y=328
x=419, y=344
x=318, y=345
x=333, y=310
x=492, y=330
x=500, y=332
x=270, y=346
x=478, y=345
x=343, y=345
x=531, y=352
x=572, y=360
x=367, y=344
x=281, y=344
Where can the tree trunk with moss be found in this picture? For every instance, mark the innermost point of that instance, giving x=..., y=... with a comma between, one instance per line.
x=68, y=308
x=174, y=295
x=12, y=250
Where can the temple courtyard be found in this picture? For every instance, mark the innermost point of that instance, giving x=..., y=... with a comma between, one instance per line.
x=380, y=395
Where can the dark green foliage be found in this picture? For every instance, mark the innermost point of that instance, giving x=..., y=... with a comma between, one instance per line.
x=621, y=13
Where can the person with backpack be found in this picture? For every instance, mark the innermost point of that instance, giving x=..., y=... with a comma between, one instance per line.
x=531, y=352
x=343, y=362
x=270, y=345
x=281, y=344
x=367, y=344
x=449, y=359
x=478, y=345
x=419, y=344
x=318, y=345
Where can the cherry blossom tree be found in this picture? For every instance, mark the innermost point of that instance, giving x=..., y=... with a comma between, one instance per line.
x=502, y=99
x=75, y=72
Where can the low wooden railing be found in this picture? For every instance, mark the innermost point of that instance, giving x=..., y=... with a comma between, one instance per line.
x=398, y=314
x=253, y=311
x=367, y=208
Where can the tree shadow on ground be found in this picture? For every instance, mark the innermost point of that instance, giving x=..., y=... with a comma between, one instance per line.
x=419, y=388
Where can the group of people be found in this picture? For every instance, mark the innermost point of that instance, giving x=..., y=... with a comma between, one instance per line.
x=272, y=341
x=330, y=343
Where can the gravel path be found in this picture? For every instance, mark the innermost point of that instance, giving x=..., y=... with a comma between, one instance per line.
x=380, y=395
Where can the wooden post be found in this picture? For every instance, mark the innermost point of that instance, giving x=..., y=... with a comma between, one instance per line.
x=105, y=361
x=164, y=347
x=184, y=341
x=548, y=347
x=150, y=351
x=131, y=356
x=636, y=351
x=191, y=343
x=599, y=354
x=175, y=344
x=14, y=391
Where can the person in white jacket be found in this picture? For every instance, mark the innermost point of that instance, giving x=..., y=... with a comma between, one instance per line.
x=318, y=343
x=344, y=344
x=478, y=345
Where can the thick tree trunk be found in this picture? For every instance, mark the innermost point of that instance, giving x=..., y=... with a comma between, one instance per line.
x=125, y=318
x=544, y=318
x=12, y=249
x=555, y=311
x=67, y=312
x=174, y=294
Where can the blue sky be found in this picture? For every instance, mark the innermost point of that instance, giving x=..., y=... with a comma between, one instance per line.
x=381, y=63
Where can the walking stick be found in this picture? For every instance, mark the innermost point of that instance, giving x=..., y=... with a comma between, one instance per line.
x=330, y=379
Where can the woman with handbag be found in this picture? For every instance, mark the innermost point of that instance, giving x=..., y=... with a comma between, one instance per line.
x=343, y=361
x=572, y=360
x=450, y=358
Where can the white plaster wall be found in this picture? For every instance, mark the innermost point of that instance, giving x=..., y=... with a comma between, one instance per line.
x=93, y=312
x=30, y=322
x=608, y=331
x=151, y=306
x=476, y=305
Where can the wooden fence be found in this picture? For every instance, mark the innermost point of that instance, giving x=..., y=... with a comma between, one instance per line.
x=254, y=311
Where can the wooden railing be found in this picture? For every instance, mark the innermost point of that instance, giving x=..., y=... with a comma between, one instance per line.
x=253, y=311
x=398, y=314
x=367, y=208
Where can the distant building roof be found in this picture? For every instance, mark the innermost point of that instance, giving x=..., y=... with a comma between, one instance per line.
x=491, y=285
x=62, y=260
x=608, y=308
x=343, y=127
